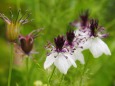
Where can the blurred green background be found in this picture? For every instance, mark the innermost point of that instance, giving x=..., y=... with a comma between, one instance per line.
x=54, y=16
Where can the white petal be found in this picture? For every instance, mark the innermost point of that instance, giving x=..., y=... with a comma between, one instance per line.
x=79, y=56
x=76, y=32
x=87, y=44
x=49, y=60
x=104, y=47
x=62, y=64
x=70, y=59
x=95, y=49
x=98, y=47
x=78, y=25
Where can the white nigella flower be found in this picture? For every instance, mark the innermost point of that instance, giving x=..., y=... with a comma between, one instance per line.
x=94, y=43
x=72, y=45
x=88, y=35
x=60, y=56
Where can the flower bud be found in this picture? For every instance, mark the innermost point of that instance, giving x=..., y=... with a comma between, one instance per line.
x=13, y=26
x=12, y=31
x=26, y=42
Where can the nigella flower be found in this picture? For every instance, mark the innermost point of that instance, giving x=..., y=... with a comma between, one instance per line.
x=72, y=46
x=94, y=43
x=26, y=42
x=13, y=26
x=88, y=35
x=60, y=56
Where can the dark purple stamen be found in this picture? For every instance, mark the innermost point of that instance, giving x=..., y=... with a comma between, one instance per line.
x=93, y=27
x=70, y=36
x=59, y=42
x=84, y=18
x=104, y=35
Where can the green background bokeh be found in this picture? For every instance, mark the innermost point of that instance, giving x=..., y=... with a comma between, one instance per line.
x=54, y=16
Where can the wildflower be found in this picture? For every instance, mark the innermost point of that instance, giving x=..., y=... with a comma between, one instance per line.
x=94, y=42
x=26, y=42
x=13, y=26
x=73, y=47
x=60, y=56
x=88, y=34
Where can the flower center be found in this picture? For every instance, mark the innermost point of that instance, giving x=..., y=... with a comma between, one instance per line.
x=70, y=36
x=59, y=42
x=93, y=27
x=84, y=18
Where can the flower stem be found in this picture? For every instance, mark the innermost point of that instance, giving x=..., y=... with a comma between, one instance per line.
x=62, y=77
x=85, y=66
x=27, y=71
x=51, y=75
x=11, y=63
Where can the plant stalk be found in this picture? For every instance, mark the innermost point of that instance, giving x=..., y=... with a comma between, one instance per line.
x=27, y=71
x=85, y=67
x=61, y=80
x=51, y=75
x=11, y=64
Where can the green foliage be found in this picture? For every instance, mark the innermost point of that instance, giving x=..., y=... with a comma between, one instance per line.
x=54, y=16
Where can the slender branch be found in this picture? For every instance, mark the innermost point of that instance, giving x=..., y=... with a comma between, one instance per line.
x=49, y=80
x=27, y=71
x=85, y=66
x=61, y=80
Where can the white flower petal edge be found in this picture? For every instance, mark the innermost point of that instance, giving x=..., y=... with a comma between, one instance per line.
x=76, y=32
x=98, y=47
x=78, y=25
x=49, y=60
x=95, y=48
x=70, y=59
x=106, y=50
x=79, y=56
x=87, y=44
x=62, y=64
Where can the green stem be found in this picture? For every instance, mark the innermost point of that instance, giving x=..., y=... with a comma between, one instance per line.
x=61, y=80
x=51, y=75
x=85, y=66
x=11, y=63
x=27, y=71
